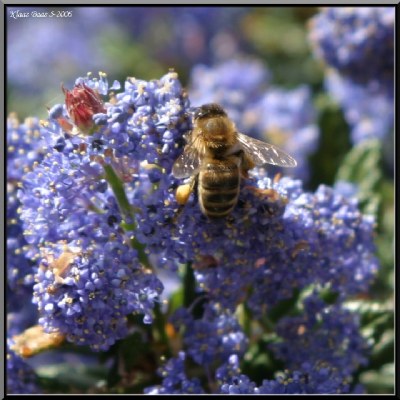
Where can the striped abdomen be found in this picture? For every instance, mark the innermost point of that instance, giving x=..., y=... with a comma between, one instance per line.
x=219, y=183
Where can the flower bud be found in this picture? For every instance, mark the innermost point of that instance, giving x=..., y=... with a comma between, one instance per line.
x=82, y=103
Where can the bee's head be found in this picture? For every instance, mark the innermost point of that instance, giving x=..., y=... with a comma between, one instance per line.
x=209, y=110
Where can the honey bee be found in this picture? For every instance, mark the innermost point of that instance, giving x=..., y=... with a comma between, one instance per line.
x=216, y=157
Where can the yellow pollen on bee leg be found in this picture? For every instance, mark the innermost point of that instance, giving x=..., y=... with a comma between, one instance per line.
x=183, y=193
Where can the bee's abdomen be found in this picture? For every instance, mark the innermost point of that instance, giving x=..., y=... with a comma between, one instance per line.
x=219, y=184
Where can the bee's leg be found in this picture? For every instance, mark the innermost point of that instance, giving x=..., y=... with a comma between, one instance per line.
x=183, y=191
x=270, y=193
x=182, y=195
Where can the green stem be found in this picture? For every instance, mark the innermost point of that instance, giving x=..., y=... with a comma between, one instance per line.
x=268, y=324
x=119, y=191
x=247, y=320
x=189, y=285
x=142, y=255
x=126, y=211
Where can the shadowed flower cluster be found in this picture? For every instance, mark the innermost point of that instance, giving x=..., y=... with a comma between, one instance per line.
x=358, y=42
x=321, y=349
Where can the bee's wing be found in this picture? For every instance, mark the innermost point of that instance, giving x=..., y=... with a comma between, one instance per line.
x=188, y=163
x=264, y=153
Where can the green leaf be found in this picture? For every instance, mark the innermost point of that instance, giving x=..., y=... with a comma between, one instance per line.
x=329, y=296
x=259, y=363
x=59, y=377
x=383, y=351
x=333, y=144
x=381, y=381
x=371, y=311
x=175, y=301
x=362, y=167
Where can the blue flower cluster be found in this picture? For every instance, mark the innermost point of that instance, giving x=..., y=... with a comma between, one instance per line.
x=275, y=247
x=321, y=348
x=310, y=379
x=323, y=342
x=213, y=337
x=145, y=127
x=285, y=118
x=89, y=278
x=146, y=123
x=175, y=379
x=88, y=293
x=358, y=42
x=97, y=205
x=24, y=147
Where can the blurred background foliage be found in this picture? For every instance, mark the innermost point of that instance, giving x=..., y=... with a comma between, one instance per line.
x=145, y=42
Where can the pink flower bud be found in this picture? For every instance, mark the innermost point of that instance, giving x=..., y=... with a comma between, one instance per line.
x=82, y=103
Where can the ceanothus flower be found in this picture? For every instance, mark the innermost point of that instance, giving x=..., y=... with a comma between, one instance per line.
x=230, y=380
x=321, y=348
x=323, y=341
x=62, y=192
x=174, y=379
x=358, y=42
x=286, y=239
x=211, y=338
x=87, y=293
x=24, y=147
x=90, y=278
